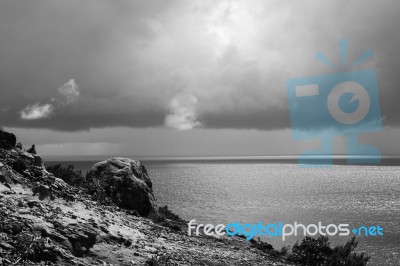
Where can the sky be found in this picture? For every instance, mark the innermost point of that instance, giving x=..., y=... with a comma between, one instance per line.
x=183, y=78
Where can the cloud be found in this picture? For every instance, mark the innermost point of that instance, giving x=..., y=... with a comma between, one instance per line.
x=132, y=58
x=183, y=112
x=70, y=91
x=36, y=111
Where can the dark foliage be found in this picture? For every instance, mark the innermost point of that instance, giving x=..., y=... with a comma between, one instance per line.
x=19, y=165
x=162, y=260
x=33, y=247
x=317, y=251
x=68, y=174
x=168, y=214
x=167, y=218
x=263, y=246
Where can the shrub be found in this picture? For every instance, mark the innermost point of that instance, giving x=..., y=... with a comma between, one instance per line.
x=168, y=214
x=317, y=251
x=19, y=165
x=29, y=246
x=68, y=174
x=162, y=260
x=167, y=218
x=260, y=245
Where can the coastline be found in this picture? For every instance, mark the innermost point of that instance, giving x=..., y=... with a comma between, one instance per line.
x=59, y=224
x=111, y=217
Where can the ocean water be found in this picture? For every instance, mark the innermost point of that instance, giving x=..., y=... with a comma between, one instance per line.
x=251, y=191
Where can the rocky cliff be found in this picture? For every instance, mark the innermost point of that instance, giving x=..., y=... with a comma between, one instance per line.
x=45, y=221
x=125, y=182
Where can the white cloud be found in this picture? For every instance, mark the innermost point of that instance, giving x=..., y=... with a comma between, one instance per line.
x=183, y=112
x=36, y=111
x=70, y=91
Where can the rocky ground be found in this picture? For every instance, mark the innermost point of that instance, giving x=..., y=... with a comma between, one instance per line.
x=45, y=221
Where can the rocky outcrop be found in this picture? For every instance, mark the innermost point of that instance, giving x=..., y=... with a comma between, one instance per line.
x=7, y=140
x=126, y=182
x=45, y=221
x=20, y=167
x=32, y=149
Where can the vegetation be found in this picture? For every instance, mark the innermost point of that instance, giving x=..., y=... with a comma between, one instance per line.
x=162, y=260
x=167, y=218
x=317, y=251
x=169, y=260
x=167, y=214
x=19, y=165
x=263, y=246
x=33, y=247
x=68, y=174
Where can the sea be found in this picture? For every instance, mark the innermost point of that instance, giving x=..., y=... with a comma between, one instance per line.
x=222, y=190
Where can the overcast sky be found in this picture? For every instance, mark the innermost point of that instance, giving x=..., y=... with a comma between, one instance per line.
x=181, y=77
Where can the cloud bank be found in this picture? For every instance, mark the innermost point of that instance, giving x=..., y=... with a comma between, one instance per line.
x=181, y=64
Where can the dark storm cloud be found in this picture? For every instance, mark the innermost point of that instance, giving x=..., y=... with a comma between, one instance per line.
x=181, y=64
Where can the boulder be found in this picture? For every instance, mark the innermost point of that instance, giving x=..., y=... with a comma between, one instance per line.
x=38, y=160
x=7, y=140
x=125, y=182
x=32, y=149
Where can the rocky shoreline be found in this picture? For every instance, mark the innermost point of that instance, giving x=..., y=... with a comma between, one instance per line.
x=112, y=218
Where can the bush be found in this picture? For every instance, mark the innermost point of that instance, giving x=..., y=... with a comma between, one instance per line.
x=168, y=214
x=33, y=247
x=162, y=260
x=260, y=245
x=167, y=218
x=68, y=174
x=317, y=251
x=19, y=165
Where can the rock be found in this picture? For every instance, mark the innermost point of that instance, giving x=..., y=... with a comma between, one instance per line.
x=42, y=190
x=81, y=236
x=27, y=156
x=7, y=140
x=5, y=246
x=6, y=262
x=33, y=203
x=38, y=160
x=24, y=211
x=126, y=182
x=22, y=204
x=32, y=149
x=18, y=145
